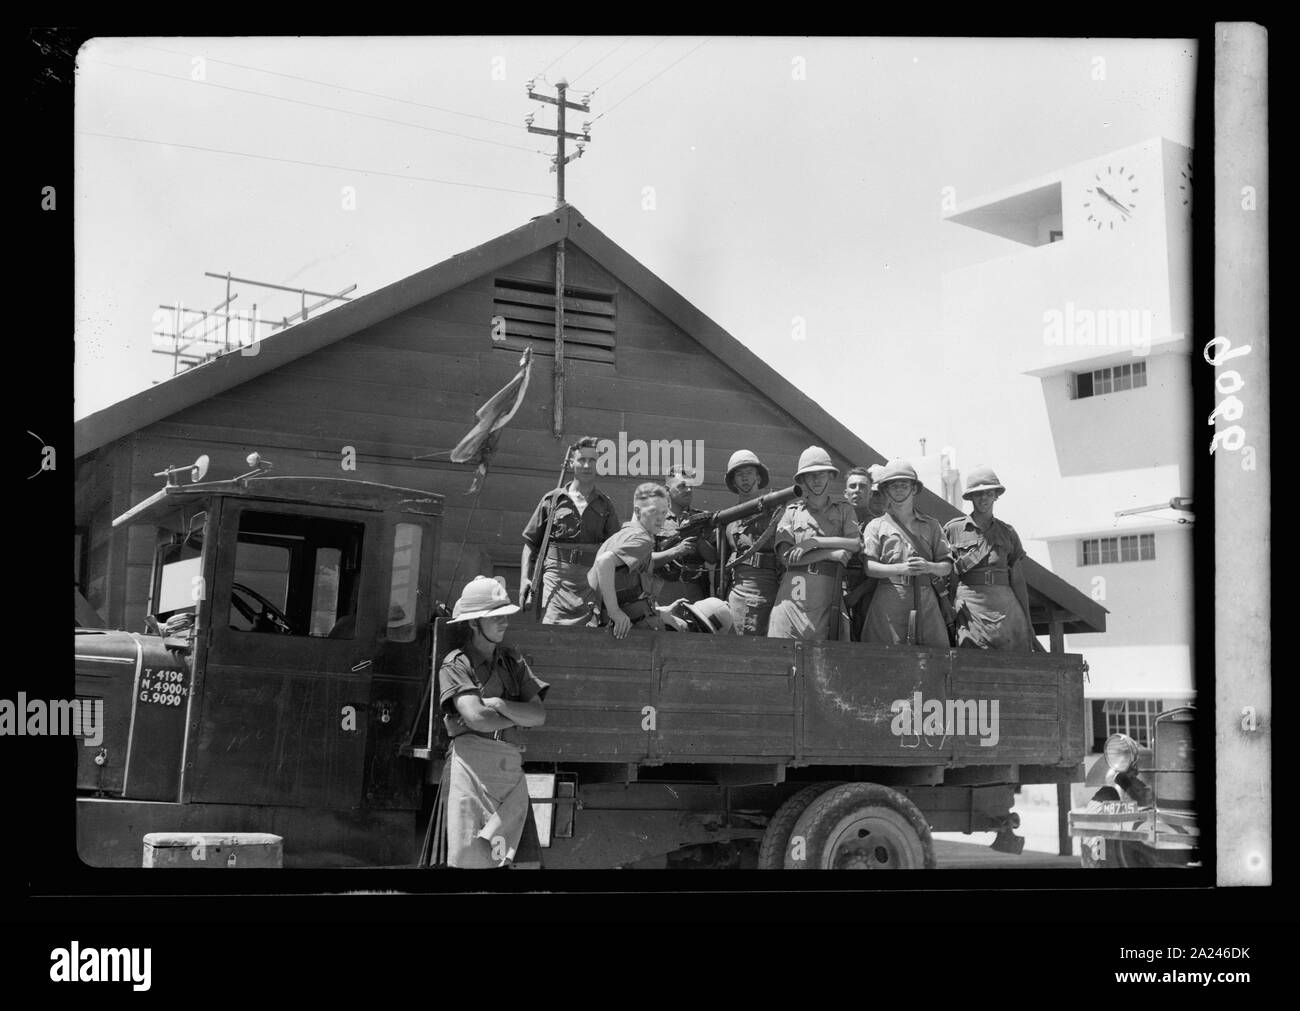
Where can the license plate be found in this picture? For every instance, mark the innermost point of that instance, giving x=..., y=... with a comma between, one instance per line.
x=1119, y=807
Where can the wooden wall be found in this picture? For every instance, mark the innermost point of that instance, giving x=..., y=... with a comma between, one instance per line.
x=118, y=562
x=410, y=385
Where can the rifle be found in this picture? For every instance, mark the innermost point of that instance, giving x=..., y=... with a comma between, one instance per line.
x=539, y=561
x=697, y=524
x=941, y=598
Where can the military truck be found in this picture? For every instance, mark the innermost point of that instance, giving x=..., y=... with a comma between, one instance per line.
x=283, y=685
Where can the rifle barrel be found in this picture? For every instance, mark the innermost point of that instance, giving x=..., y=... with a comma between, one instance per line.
x=755, y=506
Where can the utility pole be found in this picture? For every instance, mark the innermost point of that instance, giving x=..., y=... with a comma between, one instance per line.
x=557, y=166
x=561, y=103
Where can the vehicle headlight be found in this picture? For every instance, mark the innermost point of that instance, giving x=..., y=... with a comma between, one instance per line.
x=1121, y=752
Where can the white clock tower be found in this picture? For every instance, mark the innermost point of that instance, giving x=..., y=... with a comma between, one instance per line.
x=1093, y=300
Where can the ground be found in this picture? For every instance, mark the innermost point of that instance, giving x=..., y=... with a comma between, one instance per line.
x=1036, y=806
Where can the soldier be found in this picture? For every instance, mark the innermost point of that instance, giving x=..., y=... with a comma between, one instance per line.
x=814, y=539
x=992, y=598
x=858, y=586
x=584, y=518
x=754, y=579
x=876, y=500
x=621, y=578
x=904, y=551
x=683, y=567
x=486, y=692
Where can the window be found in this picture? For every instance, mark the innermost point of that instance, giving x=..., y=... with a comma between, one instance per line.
x=526, y=311
x=405, y=589
x=1132, y=717
x=1114, y=379
x=180, y=584
x=296, y=575
x=325, y=591
x=1126, y=548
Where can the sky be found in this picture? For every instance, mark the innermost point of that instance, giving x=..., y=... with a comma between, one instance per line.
x=766, y=180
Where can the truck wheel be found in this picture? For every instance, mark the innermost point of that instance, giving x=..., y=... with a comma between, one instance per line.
x=771, y=854
x=860, y=826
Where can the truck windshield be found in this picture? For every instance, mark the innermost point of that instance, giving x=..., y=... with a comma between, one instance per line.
x=296, y=575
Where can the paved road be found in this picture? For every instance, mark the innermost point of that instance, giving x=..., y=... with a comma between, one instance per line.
x=949, y=854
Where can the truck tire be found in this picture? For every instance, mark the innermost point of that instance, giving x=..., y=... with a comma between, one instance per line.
x=860, y=826
x=771, y=854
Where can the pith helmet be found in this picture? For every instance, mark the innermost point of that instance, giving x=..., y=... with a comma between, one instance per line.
x=482, y=597
x=744, y=458
x=815, y=458
x=982, y=479
x=898, y=470
x=714, y=613
x=875, y=470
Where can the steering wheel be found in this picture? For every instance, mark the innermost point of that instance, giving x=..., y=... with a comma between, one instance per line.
x=269, y=619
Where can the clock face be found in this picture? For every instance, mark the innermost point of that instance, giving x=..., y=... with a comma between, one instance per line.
x=1111, y=197
x=1185, y=184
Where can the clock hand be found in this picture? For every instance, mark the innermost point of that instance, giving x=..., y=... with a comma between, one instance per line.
x=1122, y=209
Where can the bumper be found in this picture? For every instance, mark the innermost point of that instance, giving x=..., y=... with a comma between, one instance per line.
x=1125, y=822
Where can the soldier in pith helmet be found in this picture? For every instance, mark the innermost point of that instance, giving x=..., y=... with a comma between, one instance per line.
x=992, y=599
x=905, y=550
x=815, y=538
x=876, y=500
x=486, y=692
x=754, y=580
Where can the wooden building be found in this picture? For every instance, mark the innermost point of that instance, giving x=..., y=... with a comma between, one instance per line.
x=401, y=371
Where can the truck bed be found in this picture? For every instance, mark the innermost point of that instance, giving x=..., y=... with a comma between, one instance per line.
x=737, y=699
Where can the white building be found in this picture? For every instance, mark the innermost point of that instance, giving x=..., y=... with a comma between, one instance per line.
x=1093, y=300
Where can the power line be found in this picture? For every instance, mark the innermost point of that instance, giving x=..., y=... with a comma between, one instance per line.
x=316, y=105
x=560, y=57
x=314, y=164
x=635, y=59
x=651, y=81
x=603, y=59
x=324, y=84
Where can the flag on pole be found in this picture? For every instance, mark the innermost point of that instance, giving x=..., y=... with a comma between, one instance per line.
x=481, y=442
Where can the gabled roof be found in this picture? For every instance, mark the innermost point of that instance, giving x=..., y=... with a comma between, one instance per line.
x=567, y=223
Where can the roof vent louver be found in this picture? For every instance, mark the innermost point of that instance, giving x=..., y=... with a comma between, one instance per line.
x=528, y=308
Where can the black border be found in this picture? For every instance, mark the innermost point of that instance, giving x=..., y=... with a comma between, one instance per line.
x=57, y=891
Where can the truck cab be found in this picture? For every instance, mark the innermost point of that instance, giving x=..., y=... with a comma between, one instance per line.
x=1143, y=812
x=285, y=654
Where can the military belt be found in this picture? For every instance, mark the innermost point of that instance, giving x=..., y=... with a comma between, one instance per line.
x=507, y=735
x=987, y=577
x=577, y=554
x=821, y=569
x=902, y=580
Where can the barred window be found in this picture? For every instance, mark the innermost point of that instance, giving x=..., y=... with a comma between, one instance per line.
x=1134, y=717
x=1126, y=548
x=1113, y=379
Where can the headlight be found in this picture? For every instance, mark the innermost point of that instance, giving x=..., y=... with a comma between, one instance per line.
x=1121, y=752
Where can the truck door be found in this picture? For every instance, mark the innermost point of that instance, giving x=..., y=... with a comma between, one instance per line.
x=286, y=686
x=400, y=670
